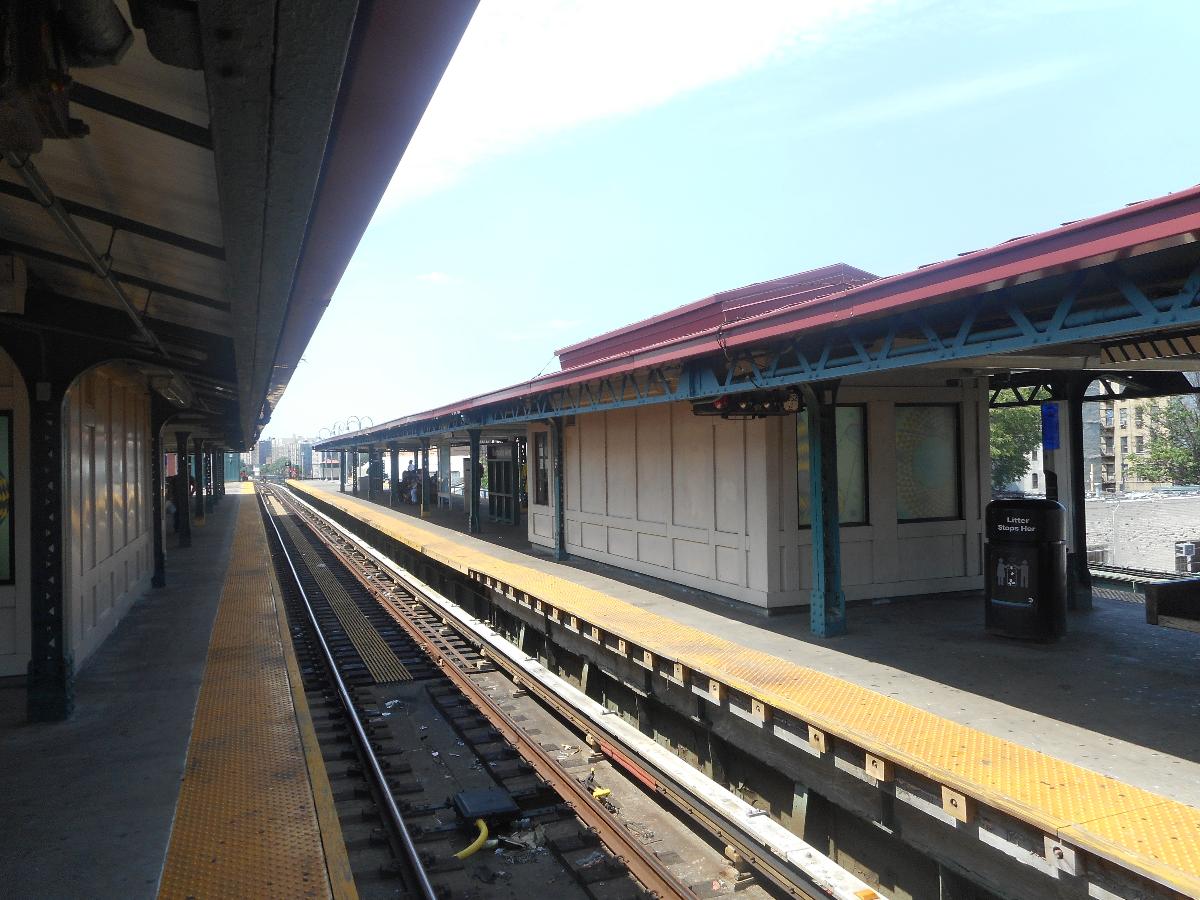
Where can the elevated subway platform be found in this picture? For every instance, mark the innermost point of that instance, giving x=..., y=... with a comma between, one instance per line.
x=92, y=803
x=1080, y=740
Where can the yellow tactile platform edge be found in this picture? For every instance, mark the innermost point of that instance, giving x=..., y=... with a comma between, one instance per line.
x=1145, y=832
x=337, y=860
x=245, y=824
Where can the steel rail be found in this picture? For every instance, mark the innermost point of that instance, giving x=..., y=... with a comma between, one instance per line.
x=393, y=811
x=786, y=875
x=643, y=866
x=1105, y=570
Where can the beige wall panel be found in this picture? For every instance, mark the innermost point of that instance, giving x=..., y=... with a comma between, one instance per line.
x=622, y=542
x=692, y=494
x=594, y=537
x=856, y=563
x=119, y=449
x=621, y=463
x=543, y=525
x=573, y=531
x=941, y=556
x=731, y=565
x=592, y=465
x=571, y=469
x=729, y=454
x=106, y=420
x=653, y=464
x=693, y=558
x=101, y=467
x=654, y=549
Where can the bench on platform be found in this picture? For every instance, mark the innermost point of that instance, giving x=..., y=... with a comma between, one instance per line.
x=1174, y=604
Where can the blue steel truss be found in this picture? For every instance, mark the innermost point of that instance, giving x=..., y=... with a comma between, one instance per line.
x=1093, y=305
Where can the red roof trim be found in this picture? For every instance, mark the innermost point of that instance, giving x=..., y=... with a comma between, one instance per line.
x=1134, y=229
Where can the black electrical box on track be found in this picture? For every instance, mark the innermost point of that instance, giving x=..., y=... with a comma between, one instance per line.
x=1025, y=569
x=491, y=804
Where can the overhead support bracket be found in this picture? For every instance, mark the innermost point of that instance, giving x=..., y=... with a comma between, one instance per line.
x=34, y=181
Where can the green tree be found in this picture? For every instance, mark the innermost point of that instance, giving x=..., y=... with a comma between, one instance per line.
x=1015, y=431
x=1174, y=452
x=276, y=467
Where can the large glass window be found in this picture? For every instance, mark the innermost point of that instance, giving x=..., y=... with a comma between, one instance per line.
x=927, y=477
x=541, y=464
x=851, y=462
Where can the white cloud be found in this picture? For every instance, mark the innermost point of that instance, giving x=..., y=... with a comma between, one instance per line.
x=527, y=69
x=938, y=98
x=435, y=278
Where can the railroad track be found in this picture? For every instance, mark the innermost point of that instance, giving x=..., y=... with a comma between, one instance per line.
x=408, y=640
x=761, y=854
x=1125, y=573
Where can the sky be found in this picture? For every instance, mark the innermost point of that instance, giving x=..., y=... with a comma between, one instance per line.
x=584, y=165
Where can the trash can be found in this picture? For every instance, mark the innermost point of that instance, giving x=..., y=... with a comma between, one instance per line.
x=1025, y=569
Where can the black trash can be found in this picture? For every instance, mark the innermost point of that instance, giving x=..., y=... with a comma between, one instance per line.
x=1025, y=569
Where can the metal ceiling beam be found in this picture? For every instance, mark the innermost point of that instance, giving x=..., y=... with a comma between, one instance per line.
x=121, y=223
x=145, y=116
x=1033, y=388
x=156, y=287
x=45, y=197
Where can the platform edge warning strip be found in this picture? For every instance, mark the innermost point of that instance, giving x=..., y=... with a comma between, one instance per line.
x=337, y=860
x=1147, y=833
x=245, y=824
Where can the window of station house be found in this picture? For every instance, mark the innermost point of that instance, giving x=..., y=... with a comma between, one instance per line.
x=851, y=463
x=541, y=463
x=928, y=482
x=1035, y=480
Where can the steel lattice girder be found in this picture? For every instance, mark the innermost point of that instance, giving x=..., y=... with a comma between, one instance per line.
x=1100, y=304
x=1034, y=388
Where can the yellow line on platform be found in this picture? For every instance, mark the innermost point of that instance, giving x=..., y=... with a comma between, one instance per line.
x=245, y=824
x=1145, y=832
x=337, y=862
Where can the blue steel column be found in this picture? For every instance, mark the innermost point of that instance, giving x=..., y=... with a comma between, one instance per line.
x=423, y=471
x=394, y=476
x=159, y=578
x=473, y=488
x=51, y=673
x=1080, y=592
x=827, y=601
x=183, y=495
x=374, y=474
x=560, y=516
x=354, y=472
x=210, y=494
x=198, y=474
x=342, y=471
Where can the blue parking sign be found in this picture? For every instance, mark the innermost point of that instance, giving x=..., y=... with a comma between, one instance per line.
x=1050, y=426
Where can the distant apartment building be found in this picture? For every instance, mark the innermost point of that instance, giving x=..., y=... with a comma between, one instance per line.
x=1124, y=435
x=1034, y=480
